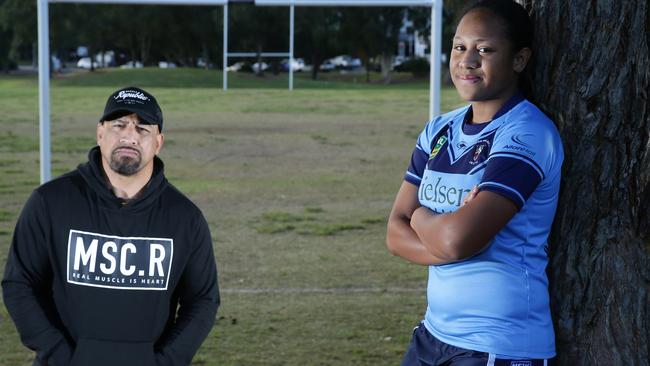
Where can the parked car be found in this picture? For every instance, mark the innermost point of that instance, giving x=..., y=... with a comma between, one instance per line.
x=200, y=62
x=260, y=67
x=56, y=64
x=166, y=65
x=345, y=62
x=239, y=66
x=327, y=65
x=106, y=59
x=84, y=63
x=132, y=65
x=298, y=65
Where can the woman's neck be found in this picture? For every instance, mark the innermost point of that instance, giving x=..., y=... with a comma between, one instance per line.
x=483, y=111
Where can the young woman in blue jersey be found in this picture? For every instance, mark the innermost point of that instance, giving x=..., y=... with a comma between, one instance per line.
x=477, y=204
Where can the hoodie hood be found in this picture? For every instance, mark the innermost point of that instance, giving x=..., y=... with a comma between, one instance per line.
x=93, y=173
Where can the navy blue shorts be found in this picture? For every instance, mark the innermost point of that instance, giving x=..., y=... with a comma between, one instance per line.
x=427, y=350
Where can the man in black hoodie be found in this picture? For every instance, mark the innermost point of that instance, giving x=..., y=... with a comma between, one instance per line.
x=110, y=265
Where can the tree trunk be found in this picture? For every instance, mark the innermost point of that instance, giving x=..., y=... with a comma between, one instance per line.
x=366, y=61
x=316, y=62
x=91, y=53
x=592, y=77
x=386, y=63
x=206, y=55
x=145, y=45
x=34, y=55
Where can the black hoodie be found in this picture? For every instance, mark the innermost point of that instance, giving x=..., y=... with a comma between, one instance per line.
x=92, y=280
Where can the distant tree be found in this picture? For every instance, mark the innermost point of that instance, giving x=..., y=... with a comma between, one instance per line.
x=371, y=32
x=182, y=34
x=5, y=62
x=6, y=35
x=592, y=77
x=91, y=25
x=259, y=29
x=421, y=17
x=18, y=19
x=317, y=35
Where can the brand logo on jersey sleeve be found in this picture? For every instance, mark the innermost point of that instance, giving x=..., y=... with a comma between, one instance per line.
x=127, y=263
x=519, y=145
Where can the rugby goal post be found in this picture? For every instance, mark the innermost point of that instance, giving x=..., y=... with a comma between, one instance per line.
x=435, y=35
x=44, y=50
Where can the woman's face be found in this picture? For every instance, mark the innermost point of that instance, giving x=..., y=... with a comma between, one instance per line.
x=483, y=64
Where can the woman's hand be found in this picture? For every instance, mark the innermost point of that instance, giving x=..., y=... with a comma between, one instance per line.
x=471, y=195
x=401, y=240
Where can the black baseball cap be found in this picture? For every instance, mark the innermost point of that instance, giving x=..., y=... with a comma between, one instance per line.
x=133, y=100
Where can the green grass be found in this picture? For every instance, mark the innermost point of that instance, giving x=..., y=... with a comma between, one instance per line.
x=296, y=187
x=199, y=78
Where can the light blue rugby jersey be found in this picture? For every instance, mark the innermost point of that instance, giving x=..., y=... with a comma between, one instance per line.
x=496, y=301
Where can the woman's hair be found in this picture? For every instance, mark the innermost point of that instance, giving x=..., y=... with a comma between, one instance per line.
x=515, y=20
x=518, y=29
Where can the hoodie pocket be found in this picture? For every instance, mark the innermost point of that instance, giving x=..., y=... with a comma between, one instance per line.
x=93, y=352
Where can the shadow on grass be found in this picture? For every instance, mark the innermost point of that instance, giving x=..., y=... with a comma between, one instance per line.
x=313, y=221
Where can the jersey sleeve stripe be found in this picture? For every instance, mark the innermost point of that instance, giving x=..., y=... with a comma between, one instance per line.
x=477, y=168
x=504, y=190
x=514, y=173
x=412, y=178
x=418, y=162
x=523, y=158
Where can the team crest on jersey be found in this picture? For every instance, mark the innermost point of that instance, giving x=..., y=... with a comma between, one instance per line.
x=125, y=263
x=480, y=150
x=441, y=141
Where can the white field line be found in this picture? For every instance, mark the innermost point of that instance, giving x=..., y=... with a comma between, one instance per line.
x=315, y=290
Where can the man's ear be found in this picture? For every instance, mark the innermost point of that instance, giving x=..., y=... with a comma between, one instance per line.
x=521, y=59
x=161, y=140
x=100, y=131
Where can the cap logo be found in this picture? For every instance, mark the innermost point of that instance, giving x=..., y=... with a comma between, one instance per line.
x=131, y=94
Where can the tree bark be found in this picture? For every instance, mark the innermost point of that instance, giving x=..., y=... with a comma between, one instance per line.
x=592, y=77
x=386, y=63
x=316, y=62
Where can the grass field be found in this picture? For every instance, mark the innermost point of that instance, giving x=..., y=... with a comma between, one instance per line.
x=296, y=187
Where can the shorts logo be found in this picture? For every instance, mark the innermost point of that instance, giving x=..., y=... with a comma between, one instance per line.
x=441, y=141
x=126, y=263
x=521, y=363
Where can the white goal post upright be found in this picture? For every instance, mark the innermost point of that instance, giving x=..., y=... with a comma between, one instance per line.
x=44, y=50
x=44, y=64
x=44, y=89
x=436, y=35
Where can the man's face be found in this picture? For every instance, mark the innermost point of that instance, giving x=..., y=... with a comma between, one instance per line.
x=128, y=146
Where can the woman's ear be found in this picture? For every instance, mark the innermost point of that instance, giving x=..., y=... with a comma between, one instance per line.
x=521, y=59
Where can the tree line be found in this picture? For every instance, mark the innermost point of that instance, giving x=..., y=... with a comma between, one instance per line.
x=183, y=34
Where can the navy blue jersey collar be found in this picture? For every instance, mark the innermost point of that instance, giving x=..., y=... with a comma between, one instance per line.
x=474, y=128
